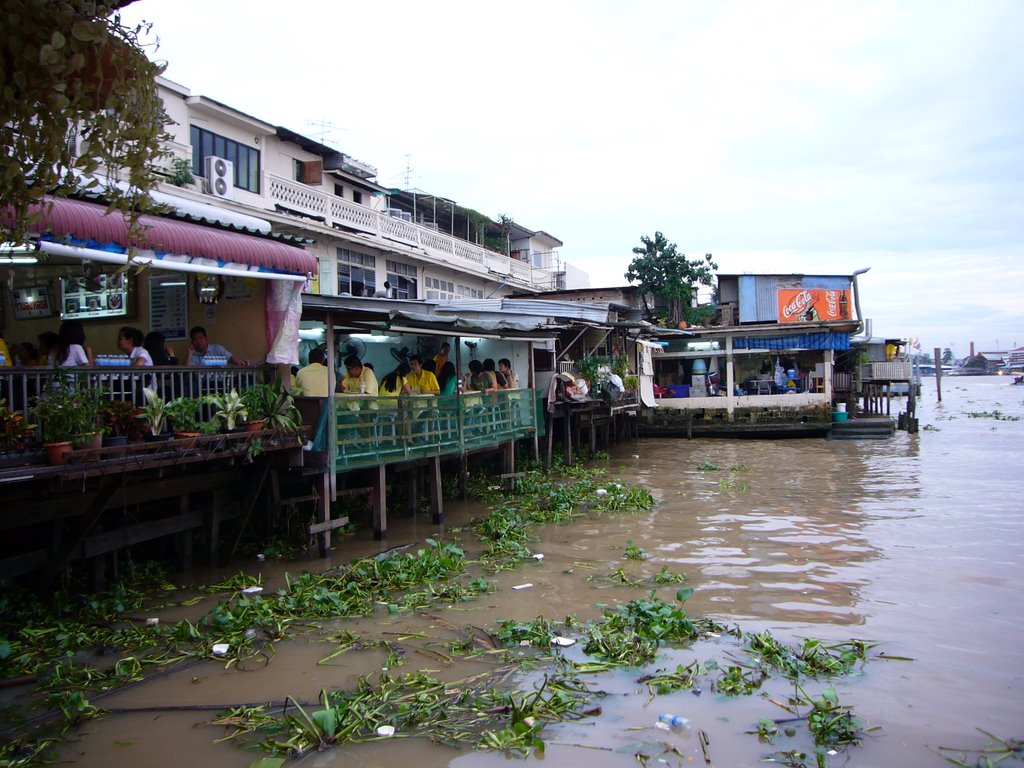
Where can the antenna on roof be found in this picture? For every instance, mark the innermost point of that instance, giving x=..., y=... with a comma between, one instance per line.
x=325, y=128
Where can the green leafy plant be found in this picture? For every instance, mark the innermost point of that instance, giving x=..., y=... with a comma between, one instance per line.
x=231, y=409
x=154, y=412
x=185, y=413
x=631, y=383
x=633, y=552
x=69, y=412
x=73, y=70
x=181, y=172
x=587, y=368
x=620, y=366
x=273, y=404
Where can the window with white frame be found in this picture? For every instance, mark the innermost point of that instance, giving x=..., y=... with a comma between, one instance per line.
x=468, y=292
x=439, y=289
x=357, y=273
x=402, y=278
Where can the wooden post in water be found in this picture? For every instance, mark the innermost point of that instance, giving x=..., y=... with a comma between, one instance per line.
x=938, y=373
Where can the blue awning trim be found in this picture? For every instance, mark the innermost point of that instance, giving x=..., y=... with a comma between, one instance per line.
x=823, y=340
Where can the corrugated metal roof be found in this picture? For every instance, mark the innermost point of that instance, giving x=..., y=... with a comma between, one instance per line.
x=90, y=225
x=562, y=310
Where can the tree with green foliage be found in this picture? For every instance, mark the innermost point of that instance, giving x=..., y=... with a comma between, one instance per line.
x=947, y=356
x=659, y=269
x=79, y=95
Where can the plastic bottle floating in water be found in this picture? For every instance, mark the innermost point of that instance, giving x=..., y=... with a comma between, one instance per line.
x=672, y=723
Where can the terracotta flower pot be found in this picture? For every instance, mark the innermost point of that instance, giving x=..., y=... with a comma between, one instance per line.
x=187, y=439
x=57, y=453
x=254, y=426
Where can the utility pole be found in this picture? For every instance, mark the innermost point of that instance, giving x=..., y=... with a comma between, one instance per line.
x=938, y=373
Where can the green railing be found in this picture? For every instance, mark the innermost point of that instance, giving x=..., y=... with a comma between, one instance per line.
x=370, y=431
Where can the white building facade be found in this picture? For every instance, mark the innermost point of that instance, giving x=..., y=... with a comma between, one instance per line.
x=303, y=188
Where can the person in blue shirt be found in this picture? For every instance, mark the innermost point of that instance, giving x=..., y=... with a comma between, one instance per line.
x=200, y=348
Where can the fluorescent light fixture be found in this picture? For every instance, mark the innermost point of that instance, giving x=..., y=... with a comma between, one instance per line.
x=311, y=333
x=179, y=282
x=18, y=260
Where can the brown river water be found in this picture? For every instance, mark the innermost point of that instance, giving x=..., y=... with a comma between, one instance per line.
x=914, y=543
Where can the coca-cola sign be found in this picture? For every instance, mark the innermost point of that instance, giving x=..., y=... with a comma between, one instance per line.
x=809, y=305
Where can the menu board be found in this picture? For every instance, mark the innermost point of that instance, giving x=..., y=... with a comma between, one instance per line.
x=168, y=303
x=101, y=294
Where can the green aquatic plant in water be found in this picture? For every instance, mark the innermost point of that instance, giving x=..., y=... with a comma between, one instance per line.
x=633, y=552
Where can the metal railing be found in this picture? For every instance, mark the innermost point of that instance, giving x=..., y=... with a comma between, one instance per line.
x=22, y=387
x=371, y=431
x=332, y=210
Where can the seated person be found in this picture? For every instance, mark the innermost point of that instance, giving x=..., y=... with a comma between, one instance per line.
x=421, y=380
x=498, y=376
x=161, y=354
x=395, y=384
x=358, y=379
x=480, y=380
x=448, y=379
x=313, y=378
x=201, y=348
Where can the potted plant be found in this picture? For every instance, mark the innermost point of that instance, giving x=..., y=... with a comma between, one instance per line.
x=119, y=421
x=273, y=405
x=258, y=399
x=154, y=414
x=68, y=418
x=631, y=383
x=15, y=433
x=185, y=418
x=231, y=410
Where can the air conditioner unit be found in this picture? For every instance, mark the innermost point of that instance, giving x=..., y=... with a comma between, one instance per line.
x=220, y=176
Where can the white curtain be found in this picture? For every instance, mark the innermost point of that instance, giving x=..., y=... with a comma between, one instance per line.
x=283, y=311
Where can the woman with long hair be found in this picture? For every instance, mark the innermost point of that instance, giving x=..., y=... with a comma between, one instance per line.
x=394, y=383
x=448, y=379
x=71, y=349
x=156, y=344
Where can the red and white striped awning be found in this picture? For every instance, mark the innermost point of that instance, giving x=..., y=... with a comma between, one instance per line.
x=85, y=229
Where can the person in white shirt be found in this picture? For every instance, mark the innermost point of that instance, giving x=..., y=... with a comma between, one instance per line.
x=71, y=349
x=130, y=341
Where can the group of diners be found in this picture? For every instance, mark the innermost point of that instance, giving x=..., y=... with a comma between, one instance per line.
x=68, y=348
x=415, y=377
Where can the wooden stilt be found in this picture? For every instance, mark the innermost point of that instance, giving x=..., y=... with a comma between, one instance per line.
x=412, y=490
x=436, y=492
x=185, y=537
x=211, y=523
x=379, y=504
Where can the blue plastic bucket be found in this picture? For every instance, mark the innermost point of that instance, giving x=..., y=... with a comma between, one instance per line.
x=699, y=366
x=840, y=415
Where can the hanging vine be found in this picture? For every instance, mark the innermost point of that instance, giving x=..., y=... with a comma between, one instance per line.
x=79, y=96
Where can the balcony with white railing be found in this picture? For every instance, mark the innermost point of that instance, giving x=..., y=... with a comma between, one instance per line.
x=437, y=246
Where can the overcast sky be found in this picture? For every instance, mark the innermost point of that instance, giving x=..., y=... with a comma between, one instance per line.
x=815, y=137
